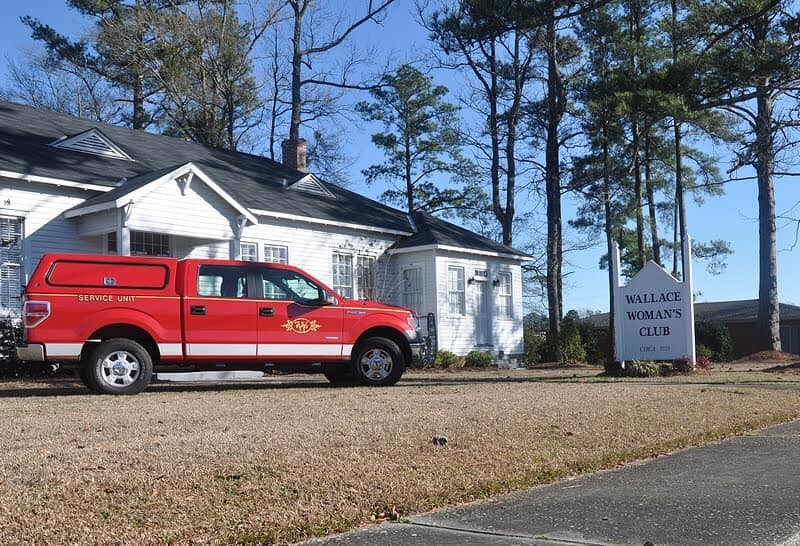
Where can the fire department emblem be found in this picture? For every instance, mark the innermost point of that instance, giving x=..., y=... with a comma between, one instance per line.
x=301, y=325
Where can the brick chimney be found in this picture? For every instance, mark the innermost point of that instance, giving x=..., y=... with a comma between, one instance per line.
x=294, y=154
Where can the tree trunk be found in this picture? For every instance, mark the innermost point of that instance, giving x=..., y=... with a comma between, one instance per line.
x=297, y=65
x=555, y=110
x=651, y=200
x=638, y=190
x=680, y=207
x=680, y=219
x=768, y=305
x=139, y=115
x=609, y=229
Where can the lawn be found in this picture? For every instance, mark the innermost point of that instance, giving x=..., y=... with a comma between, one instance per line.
x=294, y=457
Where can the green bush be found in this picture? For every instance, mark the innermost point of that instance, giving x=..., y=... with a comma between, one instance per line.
x=533, y=345
x=716, y=336
x=477, y=359
x=702, y=350
x=445, y=359
x=571, y=348
x=642, y=368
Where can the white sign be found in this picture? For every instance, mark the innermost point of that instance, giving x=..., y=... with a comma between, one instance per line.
x=654, y=313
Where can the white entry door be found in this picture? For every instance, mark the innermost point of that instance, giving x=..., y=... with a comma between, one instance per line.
x=483, y=320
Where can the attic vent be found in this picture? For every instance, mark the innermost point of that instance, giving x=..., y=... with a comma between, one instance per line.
x=91, y=142
x=311, y=184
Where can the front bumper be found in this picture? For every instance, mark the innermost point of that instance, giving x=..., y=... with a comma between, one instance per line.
x=32, y=352
x=423, y=349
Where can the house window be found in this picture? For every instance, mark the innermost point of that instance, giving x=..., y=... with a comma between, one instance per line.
x=144, y=243
x=111, y=242
x=412, y=288
x=276, y=254
x=365, y=278
x=342, y=267
x=249, y=252
x=455, y=291
x=10, y=263
x=505, y=300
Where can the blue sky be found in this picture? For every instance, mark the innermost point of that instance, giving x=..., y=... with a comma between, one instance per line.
x=732, y=217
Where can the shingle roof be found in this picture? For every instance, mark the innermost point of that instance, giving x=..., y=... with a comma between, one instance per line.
x=256, y=182
x=725, y=311
x=435, y=231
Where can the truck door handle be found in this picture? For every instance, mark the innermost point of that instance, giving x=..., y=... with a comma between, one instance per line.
x=266, y=312
x=198, y=310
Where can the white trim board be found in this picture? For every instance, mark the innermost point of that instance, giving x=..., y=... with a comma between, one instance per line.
x=310, y=220
x=448, y=248
x=54, y=181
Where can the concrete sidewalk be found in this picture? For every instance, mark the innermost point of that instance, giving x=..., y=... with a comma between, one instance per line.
x=743, y=491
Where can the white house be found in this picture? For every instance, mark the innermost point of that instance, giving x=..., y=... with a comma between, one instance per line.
x=72, y=185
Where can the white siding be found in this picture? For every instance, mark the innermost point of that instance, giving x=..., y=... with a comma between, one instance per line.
x=200, y=213
x=458, y=333
x=45, y=228
x=311, y=248
x=187, y=247
x=425, y=261
x=98, y=223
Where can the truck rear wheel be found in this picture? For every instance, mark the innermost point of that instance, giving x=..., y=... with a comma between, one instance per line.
x=378, y=362
x=118, y=366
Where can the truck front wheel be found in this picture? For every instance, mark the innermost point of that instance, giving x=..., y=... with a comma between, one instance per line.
x=378, y=362
x=118, y=366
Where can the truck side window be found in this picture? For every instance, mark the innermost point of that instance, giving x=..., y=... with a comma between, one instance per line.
x=222, y=281
x=282, y=284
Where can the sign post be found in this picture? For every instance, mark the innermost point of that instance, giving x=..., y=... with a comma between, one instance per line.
x=654, y=312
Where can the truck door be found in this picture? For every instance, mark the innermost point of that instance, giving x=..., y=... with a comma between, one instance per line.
x=296, y=320
x=220, y=320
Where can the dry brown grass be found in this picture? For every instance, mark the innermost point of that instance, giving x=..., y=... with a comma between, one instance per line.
x=288, y=460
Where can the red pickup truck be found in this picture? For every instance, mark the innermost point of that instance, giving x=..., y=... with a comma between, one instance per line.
x=121, y=318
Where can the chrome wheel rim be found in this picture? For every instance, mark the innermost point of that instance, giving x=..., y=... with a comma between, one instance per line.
x=376, y=364
x=120, y=369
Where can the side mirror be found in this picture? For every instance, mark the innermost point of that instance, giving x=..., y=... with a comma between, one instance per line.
x=330, y=299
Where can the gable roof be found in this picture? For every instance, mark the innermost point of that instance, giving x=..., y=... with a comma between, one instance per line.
x=133, y=188
x=438, y=233
x=724, y=311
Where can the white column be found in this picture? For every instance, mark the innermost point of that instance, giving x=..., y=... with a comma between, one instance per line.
x=688, y=283
x=123, y=231
x=236, y=242
x=617, y=333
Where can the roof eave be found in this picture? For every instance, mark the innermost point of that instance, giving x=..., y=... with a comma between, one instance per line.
x=463, y=250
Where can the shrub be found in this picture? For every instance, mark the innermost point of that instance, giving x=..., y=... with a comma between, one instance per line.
x=702, y=350
x=682, y=365
x=571, y=349
x=716, y=336
x=445, y=359
x=704, y=363
x=643, y=368
x=477, y=359
x=533, y=345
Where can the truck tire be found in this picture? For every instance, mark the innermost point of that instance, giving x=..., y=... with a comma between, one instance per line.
x=378, y=362
x=119, y=366
x=83, y=373
x=338, y=374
